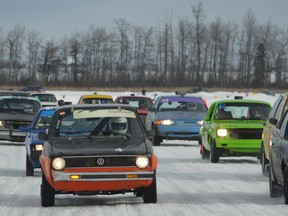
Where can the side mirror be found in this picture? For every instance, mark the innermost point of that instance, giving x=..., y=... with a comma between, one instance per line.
x=273, y=121
x=42, y=136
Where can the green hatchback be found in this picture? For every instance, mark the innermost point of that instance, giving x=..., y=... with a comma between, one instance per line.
x=233, y=128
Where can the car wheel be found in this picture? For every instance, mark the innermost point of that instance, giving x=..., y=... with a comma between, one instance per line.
x=47, y=193
x=29, y=167
x=273, y=187
x=157, y=141
x=150, y=192
x=285, y=191
x=214, y=154
x=264, y=161
x=204, y=153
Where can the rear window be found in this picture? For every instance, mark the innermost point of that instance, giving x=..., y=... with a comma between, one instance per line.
x=182, y=104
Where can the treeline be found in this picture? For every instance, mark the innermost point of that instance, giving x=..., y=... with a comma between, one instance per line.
x=191, y=52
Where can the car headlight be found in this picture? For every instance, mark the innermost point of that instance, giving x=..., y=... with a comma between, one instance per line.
x=142, y=162
x=58, y=163
x=1, y=124
x=200, y=123
x=164, y=122
x=38, y=147
x=222, y=132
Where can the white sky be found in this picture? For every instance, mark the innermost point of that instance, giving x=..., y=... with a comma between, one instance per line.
x=56, y=18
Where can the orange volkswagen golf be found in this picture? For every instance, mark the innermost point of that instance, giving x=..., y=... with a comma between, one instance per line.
x=98, y=149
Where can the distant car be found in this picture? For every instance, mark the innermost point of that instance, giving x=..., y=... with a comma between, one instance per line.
x=233, y=128
x=46, y=99
x=95, y=99
x=175, y=117
x=32, y=89
x=34, y=146
x=100, y=149
x=278, y=158
x=15, y=112
x=14, y=93
x=141, y=103
x=273, y=120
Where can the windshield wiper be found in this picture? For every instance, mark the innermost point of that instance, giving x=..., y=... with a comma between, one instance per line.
x=77, y=132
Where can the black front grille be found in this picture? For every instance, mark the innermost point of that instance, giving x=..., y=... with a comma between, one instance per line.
x=100, y=161
x=245, y=133
x=15, y=124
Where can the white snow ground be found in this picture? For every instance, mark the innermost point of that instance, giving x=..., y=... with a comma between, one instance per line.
x=186, y=184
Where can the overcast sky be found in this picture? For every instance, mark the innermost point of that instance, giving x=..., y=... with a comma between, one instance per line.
x=56, y=18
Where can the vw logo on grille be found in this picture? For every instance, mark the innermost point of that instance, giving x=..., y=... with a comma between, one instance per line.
x=100, y=161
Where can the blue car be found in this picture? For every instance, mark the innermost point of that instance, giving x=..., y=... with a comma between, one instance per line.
x=33, y=145
x=175, y=117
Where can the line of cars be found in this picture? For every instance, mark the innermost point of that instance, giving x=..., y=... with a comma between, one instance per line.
x=227, y=128
x=102, y=147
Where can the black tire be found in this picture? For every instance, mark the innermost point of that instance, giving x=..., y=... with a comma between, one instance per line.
x=264, y=161
x=273, y=186
x=204, y=153
x=150, y=193
x=157, y=141
x=47, y=193
x=214, y=154
x=29, y=167
x=285, y=187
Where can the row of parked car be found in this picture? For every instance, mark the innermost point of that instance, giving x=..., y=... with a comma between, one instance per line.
x=100, y=140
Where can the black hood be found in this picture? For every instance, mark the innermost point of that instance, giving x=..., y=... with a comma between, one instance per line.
x=108, y=146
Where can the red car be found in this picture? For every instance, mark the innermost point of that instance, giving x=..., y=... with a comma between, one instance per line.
x=141, y=103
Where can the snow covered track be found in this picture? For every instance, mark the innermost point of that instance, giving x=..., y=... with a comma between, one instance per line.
x=187, y=185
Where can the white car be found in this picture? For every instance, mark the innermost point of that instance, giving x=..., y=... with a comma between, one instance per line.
x=46, y=99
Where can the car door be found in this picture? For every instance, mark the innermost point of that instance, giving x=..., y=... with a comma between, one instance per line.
x=275, y=113
x=206, y=128
x=151, y=115
x=279, y=147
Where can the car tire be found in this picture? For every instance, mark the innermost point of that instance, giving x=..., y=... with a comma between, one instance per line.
x=204, y=153
x=214, y=154
x=273, y=186
x=285, y=188
x=29, y=167
x=157, y=141
x=47, y=193
x=264, y=161
x=150, y=193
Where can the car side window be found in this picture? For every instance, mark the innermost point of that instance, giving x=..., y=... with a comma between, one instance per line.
x=283, y=126
x=275, y=113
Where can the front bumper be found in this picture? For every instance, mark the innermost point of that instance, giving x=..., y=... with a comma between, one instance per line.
x=12, y=135
x=190, y=132
x=101, y=181
x=239, y=145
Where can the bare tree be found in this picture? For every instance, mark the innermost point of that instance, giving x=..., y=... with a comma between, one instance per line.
x=198, y=14
x=33, y=49
x=123, y=28
x=48, y=55
x=15, y=39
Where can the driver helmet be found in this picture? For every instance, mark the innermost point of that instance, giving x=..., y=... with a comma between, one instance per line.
x=119, y=125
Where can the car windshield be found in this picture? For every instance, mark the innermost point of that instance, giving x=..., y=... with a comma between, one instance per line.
x=97, y=101
x=182, y=104
x=45, y=97
x=19, y=106
x=251, y=111
x=44, y=119
x=137, y=102
x=100, y=123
